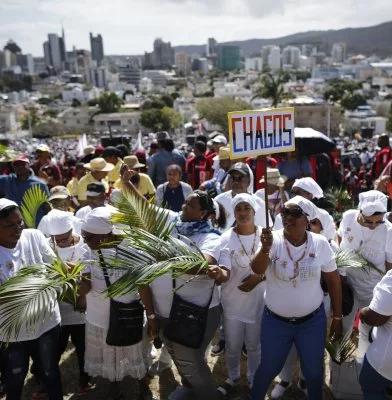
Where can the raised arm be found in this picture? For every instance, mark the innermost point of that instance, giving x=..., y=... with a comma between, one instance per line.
x=262, y=258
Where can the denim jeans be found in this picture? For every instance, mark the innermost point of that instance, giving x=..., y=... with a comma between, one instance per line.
x=43, y=351
x=372, y=383
x=277, y=337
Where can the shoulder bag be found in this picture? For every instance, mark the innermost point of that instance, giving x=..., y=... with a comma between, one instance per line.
x=125, y=320
x=187, y=321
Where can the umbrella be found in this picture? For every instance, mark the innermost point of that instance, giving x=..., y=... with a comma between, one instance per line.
x=309, y=141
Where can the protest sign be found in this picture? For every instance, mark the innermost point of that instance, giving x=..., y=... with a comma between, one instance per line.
x=261, y=132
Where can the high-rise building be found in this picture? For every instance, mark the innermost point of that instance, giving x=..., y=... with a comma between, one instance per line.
x=163, y=56
x=212, y=47
x=290, y=56
x=254, y=64
x=274, y=58
x=183, y=63
x=229, y=57
x=96, y=44
x=131, y=73
x=338, y=52
x=25, y=61
x=54, y=51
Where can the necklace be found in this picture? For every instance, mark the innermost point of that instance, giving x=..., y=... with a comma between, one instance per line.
x=252, y=252
x=296, y=262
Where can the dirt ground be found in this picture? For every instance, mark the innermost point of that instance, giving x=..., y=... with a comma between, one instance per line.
x=161, y=386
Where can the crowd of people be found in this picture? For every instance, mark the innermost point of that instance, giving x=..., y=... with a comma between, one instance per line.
x=273, y=289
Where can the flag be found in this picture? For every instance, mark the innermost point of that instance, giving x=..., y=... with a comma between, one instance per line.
x=139, y=143
x=82, y=144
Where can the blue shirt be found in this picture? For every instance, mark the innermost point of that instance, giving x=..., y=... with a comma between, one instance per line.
x=296, y=169
x=174, y=198
x=13, y=189
x=158, y=163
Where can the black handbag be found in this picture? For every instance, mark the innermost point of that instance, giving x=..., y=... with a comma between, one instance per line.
x=187, y=321
x=126, y=319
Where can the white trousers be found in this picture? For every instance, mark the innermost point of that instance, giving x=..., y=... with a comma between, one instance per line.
x=287, y=371
x=236, y=334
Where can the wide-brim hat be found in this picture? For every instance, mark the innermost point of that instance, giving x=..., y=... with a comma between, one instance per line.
x=99, y=164
x=133, y=162
x=223, y=154
x=59, y=192
x=274, y=177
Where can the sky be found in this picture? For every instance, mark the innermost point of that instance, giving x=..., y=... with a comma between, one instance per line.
x=130, y=26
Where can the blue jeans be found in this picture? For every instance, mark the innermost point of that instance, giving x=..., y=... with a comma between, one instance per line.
x=277, y=337
x=372, y=383
x=44, y=352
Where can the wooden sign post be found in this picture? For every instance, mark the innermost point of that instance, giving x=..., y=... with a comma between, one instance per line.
x=260, y=133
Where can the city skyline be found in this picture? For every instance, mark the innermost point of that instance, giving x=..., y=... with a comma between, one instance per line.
x=129, y=27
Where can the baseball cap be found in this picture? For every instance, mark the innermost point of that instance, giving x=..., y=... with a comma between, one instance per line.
x=59, y=192
x=95, y=189
x=43, y=148
x=239, y=167
x=20, y=157
x=220, y=139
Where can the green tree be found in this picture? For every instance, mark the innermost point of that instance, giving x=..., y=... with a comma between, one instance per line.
x=51, y=112
x=76, y=103
x=168, y=100
x=34, y=119
x=109, y=102
x=389, y=122
x=158, y=119
x=157, y=102
x=339, y=87
x=44, y=101
x=215, y=109
x=272, y=87
x=350, y=101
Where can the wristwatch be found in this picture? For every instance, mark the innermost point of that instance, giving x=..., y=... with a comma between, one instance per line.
x=151, y=316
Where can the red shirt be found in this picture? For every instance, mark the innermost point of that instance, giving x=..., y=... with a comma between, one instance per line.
x=198, y=170
x=383, y=157
x=52, y=170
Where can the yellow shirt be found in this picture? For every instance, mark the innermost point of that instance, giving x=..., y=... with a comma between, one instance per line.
x=146, y=187
x=114, y=174
x=82, y=185
x=72, y=187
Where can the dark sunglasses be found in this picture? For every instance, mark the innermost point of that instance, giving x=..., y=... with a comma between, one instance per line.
x=292, y=212
x=372, y=223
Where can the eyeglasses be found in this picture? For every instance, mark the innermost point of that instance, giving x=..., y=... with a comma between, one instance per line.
x=372, y=223
x=292, y=212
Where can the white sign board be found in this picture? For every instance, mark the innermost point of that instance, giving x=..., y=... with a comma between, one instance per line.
x=261, y=132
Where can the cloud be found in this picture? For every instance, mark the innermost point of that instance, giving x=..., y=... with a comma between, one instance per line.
x=130, y=26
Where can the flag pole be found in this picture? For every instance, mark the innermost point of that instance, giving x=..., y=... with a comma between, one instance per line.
x=265, y=192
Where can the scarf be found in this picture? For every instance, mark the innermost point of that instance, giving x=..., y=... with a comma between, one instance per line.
x=192, y=228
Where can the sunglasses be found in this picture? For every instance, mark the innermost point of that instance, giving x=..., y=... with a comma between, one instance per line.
x=292, y=212
x=372, y=223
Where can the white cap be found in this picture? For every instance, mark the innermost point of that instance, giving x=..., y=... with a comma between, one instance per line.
x=220, y=139
x=4, y=203
x=244, y=198
x=371, y=202
x=60, y=222
x=309, y=185
x=98, y=221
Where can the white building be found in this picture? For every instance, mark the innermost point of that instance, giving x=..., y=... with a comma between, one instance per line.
x=158, y=78
x=254, y=64
x=77, y=118
x=97, y=77
x=232, y=89
x=8, y=121
x=274, y=58
x=291, y=56
x=77, y=91
x=146, y=85
x=127, y=122
x=338, y=52
x=183, y=63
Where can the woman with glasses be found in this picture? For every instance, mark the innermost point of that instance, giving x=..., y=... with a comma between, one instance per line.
x=293, y=261
x=242, y=295
x=365, y=231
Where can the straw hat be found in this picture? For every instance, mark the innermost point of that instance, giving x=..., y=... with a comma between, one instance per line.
x=274, y=177
x=99, y=164
x=88, y=150
x=224, y=153
x=132, y=162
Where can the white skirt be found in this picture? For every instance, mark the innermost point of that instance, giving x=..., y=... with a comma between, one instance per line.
x=114, y=362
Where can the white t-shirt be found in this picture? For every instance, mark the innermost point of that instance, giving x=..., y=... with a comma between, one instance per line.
x=373, y=245
x=296, y=297
x=225, y=200
x=83, y=212
x=98, y=306
x=379, y=353
x=43, y=225
x=239, y=305
x=275, y=201
x=32, y=249
x=71, y=254
x=198, y=290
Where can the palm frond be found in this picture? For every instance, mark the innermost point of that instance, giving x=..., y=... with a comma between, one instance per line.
x=30, y=296
x=32, y=200
x=339, y=199
x=352, y=259
x=137, y=213
x=146, y=257
x=341, y=350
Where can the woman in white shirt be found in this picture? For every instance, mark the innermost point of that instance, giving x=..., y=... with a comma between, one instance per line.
x=21, y=248
x=70, y=247
x=293, y=261
x=111, y=362
x=365, y=231
x=242, y=296
x=376, y=373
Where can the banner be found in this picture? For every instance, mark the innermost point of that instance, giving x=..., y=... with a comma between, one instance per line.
x=261, y=132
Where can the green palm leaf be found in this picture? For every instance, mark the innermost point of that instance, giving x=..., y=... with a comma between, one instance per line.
x=352, y=259
x=138, y=213
x=341, y=350
x=146, y=257
x=32, y=200
x=30, y=296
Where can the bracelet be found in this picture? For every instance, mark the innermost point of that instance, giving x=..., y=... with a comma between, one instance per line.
x=338, y=318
